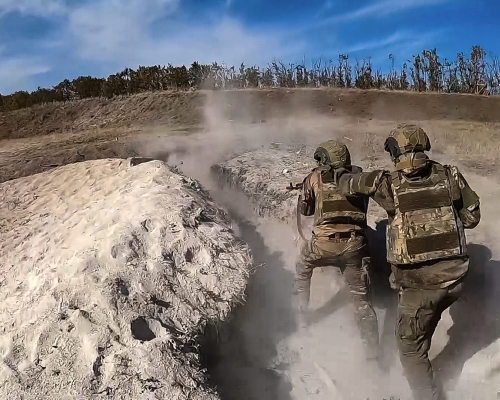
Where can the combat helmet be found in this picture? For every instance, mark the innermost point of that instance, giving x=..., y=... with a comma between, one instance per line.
x=331, y=155
x=406, y=144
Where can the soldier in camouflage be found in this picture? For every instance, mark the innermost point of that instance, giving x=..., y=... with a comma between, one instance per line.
x=338, y=238
x=428, y=205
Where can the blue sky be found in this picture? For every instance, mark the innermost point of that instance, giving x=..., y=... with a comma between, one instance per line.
x=43, y=42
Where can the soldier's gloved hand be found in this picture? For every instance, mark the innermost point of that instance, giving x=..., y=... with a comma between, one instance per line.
x=391, y=145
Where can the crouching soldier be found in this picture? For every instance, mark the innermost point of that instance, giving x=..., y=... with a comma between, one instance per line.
x=338, y=238
x=428, y=205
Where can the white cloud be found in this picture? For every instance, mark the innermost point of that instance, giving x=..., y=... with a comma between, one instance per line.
x=226, y=41
x=34, y=7
x=402, y=46
x=112, y=30
x=16, y=73
x=117, y=31
x=377, y=9
x=397, y=37
x=375, y=44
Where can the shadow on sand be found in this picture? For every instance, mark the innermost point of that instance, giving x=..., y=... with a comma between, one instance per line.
x=475, y=316
x=244, y=362
x=239, y=362
x=382, y=295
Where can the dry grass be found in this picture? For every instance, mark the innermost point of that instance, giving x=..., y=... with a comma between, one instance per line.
x=167, y=108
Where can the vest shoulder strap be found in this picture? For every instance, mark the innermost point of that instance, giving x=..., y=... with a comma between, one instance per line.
x=440, y=170
x=396, y=180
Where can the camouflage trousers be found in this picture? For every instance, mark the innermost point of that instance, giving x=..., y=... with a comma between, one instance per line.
x=419, y=312
x=354, y=267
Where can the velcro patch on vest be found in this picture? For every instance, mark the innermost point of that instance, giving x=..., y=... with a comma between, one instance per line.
x=423, y=200
x=432, y=243
x=339, y=205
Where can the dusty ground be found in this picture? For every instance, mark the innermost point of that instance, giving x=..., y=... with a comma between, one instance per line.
x=264, y=357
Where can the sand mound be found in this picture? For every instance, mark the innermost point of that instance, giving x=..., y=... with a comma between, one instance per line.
x=109, y=271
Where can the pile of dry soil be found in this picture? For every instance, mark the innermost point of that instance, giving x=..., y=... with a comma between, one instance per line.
x=110, y=270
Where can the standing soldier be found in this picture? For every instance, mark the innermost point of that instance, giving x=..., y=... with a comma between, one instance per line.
x=338, y=238
x=428, y=205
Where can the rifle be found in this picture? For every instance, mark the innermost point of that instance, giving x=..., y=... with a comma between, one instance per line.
x=297, y=186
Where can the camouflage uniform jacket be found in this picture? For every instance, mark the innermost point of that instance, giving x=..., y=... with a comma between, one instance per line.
x=432, y=274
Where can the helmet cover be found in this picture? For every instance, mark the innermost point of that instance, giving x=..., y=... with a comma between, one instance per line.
x=332, y=154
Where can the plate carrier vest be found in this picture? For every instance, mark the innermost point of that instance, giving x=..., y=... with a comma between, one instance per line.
x=426, y=225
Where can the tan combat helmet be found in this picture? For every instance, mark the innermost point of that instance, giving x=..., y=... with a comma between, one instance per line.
x=406, y=144
x=332, y=154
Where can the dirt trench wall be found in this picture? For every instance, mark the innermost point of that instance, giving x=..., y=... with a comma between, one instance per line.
x=109, y=272
x=263, y=176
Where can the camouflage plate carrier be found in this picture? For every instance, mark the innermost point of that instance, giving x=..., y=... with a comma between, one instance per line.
x=347, y=213
x=426, y=225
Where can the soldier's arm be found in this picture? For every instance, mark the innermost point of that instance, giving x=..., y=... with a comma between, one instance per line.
x=465, y=200
x=308, y=202
x=375, y=184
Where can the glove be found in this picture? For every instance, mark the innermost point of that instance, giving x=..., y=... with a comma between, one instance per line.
x=391, y=145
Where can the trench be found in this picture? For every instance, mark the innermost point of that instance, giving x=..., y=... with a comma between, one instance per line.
x=242, y=355
x=260, y=352
x=249, y=356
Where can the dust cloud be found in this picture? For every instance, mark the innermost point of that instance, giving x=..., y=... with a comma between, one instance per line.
x=261, y=353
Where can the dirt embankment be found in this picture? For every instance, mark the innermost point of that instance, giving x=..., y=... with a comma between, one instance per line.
x=159, y=108
x=185, y=109
x=63, y=133
x=257, y=105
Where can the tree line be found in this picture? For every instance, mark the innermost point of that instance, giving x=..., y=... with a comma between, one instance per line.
x=478, y=73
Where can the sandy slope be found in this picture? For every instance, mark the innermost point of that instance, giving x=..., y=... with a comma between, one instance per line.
x=108, y=273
